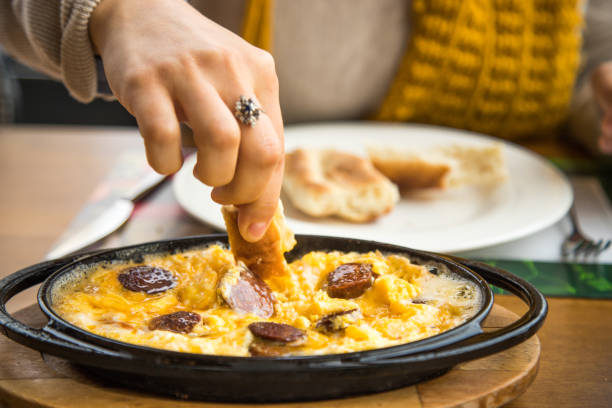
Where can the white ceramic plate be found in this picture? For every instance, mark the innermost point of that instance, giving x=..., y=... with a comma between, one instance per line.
x=535, y=195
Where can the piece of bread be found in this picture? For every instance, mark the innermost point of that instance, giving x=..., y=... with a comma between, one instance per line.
x=441, y=166
x=410, y=170
x=476, y=165
x=329, y=182
x=265, y=257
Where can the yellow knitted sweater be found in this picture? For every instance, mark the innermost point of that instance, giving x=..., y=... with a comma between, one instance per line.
x=500, y=67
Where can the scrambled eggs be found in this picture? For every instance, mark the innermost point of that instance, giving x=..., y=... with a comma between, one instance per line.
x=405, y=302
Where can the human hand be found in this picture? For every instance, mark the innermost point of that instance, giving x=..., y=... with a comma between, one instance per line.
x=601, y=81
x=166, y=63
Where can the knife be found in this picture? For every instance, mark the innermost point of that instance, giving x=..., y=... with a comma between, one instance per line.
x=114, y=216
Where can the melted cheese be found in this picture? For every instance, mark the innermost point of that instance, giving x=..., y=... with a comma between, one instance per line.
x=388, y=314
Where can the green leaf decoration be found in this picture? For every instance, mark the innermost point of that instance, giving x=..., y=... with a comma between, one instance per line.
x=561, y=279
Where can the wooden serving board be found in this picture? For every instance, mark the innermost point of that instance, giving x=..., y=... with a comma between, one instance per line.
x=28, y=380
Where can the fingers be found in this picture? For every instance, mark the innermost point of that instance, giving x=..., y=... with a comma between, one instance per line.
x=255, y=188
x=254, y=218
x=243, y=163
x=260, y=166
x=215, y=130
x=158, y=124
x=259, y=155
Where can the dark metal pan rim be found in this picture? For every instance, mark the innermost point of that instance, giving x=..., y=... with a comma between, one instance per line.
x=469, y=328
x=299, y=378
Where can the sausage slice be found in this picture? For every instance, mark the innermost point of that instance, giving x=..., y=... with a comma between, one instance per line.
x=245, y=292
x=349, y=280
x=178, y=322
x=148, y=279
x=278, y=332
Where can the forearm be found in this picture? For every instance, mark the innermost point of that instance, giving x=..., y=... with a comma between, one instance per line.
x=52, y=36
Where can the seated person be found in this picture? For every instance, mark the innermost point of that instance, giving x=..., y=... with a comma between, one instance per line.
x=509, y=69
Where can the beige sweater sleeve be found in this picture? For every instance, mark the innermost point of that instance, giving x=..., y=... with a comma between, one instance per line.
x=52, y=36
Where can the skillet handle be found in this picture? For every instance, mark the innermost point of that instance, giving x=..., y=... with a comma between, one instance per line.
x=485, y=344
x=45, y=340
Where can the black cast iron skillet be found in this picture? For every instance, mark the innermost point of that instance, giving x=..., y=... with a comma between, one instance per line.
x=263, y=379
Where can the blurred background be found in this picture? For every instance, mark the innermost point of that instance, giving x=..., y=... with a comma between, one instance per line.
x=27, y=96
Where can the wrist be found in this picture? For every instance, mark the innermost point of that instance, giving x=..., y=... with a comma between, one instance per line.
x=99, y=23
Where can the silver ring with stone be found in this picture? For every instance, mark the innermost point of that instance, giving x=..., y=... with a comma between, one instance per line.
x=247, y=110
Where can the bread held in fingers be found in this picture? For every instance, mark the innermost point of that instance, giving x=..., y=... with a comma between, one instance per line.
x=266, y=256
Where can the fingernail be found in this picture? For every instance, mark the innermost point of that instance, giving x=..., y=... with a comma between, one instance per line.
x=256, y=230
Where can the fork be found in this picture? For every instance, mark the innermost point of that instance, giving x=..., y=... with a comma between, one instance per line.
x=577, y=243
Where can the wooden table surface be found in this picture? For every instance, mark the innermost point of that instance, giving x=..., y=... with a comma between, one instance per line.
x=47, y=173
